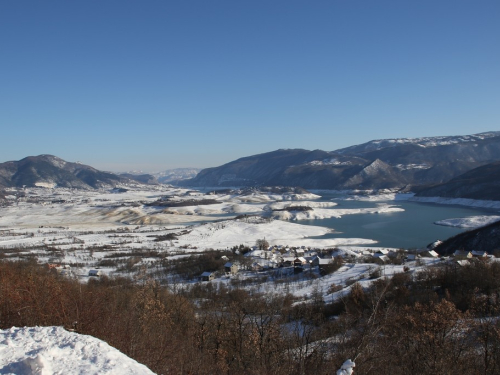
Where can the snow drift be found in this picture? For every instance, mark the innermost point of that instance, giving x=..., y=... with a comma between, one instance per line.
x=53, y=350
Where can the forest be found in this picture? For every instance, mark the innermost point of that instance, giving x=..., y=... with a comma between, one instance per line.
x=443, y=320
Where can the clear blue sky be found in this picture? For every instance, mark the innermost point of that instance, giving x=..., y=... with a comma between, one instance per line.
x=151, y=85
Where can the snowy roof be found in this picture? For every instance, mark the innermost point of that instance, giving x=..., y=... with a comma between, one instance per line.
x=324, y=261
x=206, y=273
x=479, y=253
x=432, y=253
x=228, y=264
x=384, y=258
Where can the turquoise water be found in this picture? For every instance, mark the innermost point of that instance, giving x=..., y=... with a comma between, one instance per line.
x=412, y=228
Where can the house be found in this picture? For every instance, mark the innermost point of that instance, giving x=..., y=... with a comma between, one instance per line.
x=479, y=254
x=256, y=267
x=315, y=260
x=207, y=276
x=411, y=257
x=299, y=251
x=94, y=273
x=231, y=268
x=462, y=254
x=429, y=254
x=382, y=259
x=298, y=264
x=381, y=252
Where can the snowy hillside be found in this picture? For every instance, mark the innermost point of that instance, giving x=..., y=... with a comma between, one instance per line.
x=422, y=142
x=53, y=350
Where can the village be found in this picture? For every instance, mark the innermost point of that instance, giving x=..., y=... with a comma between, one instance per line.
x=157, y=233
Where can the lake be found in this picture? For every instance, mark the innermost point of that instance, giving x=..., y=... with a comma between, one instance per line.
x=412, y=228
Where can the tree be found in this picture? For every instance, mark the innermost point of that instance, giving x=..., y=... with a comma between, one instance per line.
x=262, y=244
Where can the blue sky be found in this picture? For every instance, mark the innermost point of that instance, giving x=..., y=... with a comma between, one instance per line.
x=151, y=85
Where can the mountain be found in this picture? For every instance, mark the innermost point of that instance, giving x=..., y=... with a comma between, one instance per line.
x=481, y=183
x=389, y=163
x=145, y=178
x=485, y=238
x=51, y=171
x=177, y=174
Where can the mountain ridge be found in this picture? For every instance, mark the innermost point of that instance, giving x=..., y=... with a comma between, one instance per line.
x=50, y=171
x=399, y=163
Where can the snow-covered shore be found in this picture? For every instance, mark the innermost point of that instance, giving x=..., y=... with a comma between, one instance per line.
x=457, y=201
x=469, y=222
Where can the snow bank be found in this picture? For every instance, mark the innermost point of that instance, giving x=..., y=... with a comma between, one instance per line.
x=457, y=201
x=53, y=350
x=235, y=232
x=390, y=196
x=326, y=213
x=469, y=222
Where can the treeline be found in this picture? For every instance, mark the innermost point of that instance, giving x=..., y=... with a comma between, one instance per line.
x=442, y=321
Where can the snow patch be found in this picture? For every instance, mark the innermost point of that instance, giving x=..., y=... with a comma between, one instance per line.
x=48, y=185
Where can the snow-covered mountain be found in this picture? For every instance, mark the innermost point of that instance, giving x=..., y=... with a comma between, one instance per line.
x=51, y=171
x=421, y=142
x=177, y=174
x=390, y=163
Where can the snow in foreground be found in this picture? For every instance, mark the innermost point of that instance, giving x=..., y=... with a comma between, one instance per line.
x=53, y=350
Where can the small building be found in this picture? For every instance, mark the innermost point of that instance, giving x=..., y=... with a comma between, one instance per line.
x=94, y=273
x=429, y=254
x=411, y=257
x=256, y=266
x=231, y=268
x=207, y=276
x=479, y=254
x=381, y=252
x=462, y=254
x=314, y=260
x=382, y=259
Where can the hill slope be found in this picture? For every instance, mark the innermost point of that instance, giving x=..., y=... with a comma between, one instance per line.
x=481, y=183
x=485, y=238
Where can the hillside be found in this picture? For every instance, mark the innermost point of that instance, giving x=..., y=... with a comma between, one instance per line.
x=51, y=171
x=391, y=163
x=485, y=238
x=482, y=183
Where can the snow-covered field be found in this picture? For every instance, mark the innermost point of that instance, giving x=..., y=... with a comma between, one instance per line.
x=122, y=232
x=107, y=229
x=55, y=351
x=141, y=230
